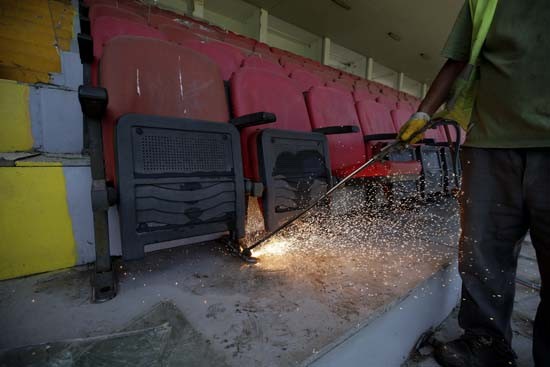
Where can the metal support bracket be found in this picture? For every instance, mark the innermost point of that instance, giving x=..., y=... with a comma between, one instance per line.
x=93, y=102
x=255, y=189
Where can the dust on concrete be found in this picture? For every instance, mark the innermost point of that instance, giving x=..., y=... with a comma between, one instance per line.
x=313, y=284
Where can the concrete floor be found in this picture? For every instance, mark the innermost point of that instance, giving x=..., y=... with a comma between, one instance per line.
x=312, y=285
x=526, y=303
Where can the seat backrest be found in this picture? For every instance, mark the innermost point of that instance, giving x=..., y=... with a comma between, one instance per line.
x=375, y=118
x=338, y=84
x=262, y=48
x=240, y=41
x=178, y=33
x=257, y=61
x=100, y=10
x=402, y=96
x=211, y=33
x=182, y=83
x=332, y=107
x=375, y=88
x=158, y=20
x=106, y=27
x=258, y=90
x=362, y=93
x=305, y=80
x=348, y=77
x=399, y=118
x=389, y=101
x=228, y=58
x=290, y=64
x=404, y=105
x=264, y=52
x=281, y=52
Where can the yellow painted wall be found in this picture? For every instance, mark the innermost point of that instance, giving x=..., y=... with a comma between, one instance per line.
x=32, y=35
x=15, y=122
x=35, y=224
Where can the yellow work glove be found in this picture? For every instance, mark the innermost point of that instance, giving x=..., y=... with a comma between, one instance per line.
x=417, y=122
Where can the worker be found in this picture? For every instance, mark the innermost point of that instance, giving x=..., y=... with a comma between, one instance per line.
x=506, y=177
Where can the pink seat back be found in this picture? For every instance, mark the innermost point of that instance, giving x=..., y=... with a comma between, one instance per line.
x=332, y=107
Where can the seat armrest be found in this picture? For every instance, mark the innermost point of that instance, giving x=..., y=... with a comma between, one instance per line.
x=333, y=130
x=377, y=137
x=253, y=119
x=93, y=101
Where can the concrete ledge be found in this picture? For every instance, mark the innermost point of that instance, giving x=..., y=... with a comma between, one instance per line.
x=388, y=339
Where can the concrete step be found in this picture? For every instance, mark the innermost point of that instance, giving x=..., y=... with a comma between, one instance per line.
x=339, y=289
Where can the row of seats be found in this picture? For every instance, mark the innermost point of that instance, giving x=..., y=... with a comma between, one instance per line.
x=181, y=169
x=183, y=29
x=343, y=107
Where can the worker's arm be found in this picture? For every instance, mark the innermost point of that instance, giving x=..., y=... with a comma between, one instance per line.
x=437, y=95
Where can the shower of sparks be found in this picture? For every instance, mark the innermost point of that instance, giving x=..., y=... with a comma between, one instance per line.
x=393, y=245
x=346, y=252
x=273, y=248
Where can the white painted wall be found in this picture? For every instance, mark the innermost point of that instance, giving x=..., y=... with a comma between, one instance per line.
x=177, y=6
x=412, y=86
x=234, y=15
x=288, y=37
x=347, y=60
x=384, y=75
x=243, y=18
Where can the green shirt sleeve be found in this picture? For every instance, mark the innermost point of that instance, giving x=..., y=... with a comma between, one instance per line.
x=458, y=44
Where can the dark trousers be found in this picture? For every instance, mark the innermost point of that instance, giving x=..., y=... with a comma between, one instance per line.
x=505, y=193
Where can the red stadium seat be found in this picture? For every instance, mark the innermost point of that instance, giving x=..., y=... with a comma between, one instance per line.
x=349, y=77
x=228, y=58
x=285, y=155
x=163, y=105
x=375, y=118
x=262, y=48
x=363, y=94
x=177, y=175
x=264, y=52
x=179, y=33
x=279, y=52
x=257, y=61
x=389, y=101
x=211, y=33
x=399, y=118
x=157, y=20
x=375, y=88
x=290, y=64
x=378, y=128
x=305, y=80
x=105, y=28
x=340, y=85
x=204, y=30
x=249, y=95
x=322, y=74
x=101, y=10
x=404, y=105
x=332, y=107
x=240, y=41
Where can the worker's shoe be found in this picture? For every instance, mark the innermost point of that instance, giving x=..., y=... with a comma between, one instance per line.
x=475, y=351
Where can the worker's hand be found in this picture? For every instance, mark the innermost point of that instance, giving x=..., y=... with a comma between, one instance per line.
x=416, y=123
